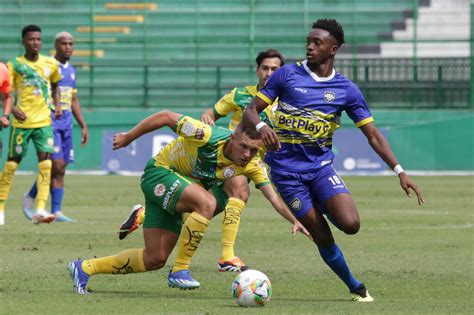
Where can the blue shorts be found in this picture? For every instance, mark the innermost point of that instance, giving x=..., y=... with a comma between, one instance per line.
x=303, y=191
x=62, y=128
x=63, y=149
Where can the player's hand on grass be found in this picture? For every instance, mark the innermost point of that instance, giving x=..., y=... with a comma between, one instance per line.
x=297, y=226
x=207, y=118
x=19, y=114
x=270, y=138
x=407, y=183
x=120, y=140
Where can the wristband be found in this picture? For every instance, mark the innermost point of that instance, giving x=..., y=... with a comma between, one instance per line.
x=260, y=126
x=398, y=169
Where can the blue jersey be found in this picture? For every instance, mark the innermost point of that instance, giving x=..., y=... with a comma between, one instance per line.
x=67, y=87
x=309, y=111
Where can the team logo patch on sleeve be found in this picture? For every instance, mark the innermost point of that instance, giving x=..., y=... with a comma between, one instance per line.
x=229, y=172
x=199, y=134
x=159, y=190
x=329, y=97
x=188, y=128
x=295, y=204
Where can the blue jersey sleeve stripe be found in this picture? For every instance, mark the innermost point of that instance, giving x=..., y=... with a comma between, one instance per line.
x=264, y=98
x=364, y=122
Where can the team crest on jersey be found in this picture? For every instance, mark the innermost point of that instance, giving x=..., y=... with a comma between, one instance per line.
x=159, y=190
x=19, y=139
x=199, y=134
x=188, y=128
x=329, y=97
x=229, y=172
x=296, y=204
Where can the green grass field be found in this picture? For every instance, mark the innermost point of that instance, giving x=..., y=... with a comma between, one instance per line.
x=414, y=260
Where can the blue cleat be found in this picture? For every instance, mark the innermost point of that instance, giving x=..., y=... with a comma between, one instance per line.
x=62, y=218
x=182, y=279
x=78, y=276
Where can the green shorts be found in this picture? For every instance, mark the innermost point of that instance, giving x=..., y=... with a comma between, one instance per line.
x=42, y=138
x=162, y=188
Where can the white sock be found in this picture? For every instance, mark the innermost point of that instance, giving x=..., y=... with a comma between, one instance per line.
x=2, y=217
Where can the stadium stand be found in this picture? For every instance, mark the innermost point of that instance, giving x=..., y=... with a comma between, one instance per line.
x=170, y=53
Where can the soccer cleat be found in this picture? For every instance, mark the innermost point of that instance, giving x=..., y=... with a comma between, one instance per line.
x=361, y=294
x=131, y=223
x=62, y=218
x=28, y=206
x=78, y=276
x=183, y=280
x=233, y=265
x=41, y=216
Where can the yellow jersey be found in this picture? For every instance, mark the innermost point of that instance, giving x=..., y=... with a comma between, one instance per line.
x=31, y=81
x=235, y=102
x=198, y=152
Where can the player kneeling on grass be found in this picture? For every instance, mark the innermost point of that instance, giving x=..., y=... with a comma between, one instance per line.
x=175, y=181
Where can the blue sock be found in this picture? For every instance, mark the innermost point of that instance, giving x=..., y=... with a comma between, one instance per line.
x=334, y=258
x=56, y=199
x=33, y=191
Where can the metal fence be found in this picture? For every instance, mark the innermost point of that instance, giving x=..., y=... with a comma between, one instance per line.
x=386, y=83
x=402, y=54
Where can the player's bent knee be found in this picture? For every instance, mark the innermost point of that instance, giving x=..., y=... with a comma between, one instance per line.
x=207, y=206
x=351, y=227
x=155, y=262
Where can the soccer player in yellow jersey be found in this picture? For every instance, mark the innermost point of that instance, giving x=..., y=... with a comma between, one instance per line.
x=236, y=188
x=34, y=79
x=176, y=181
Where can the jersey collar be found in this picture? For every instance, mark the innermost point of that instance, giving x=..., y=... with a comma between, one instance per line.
x=315, y=76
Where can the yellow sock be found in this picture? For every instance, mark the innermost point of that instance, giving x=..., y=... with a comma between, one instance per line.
x=191, y=235
x=128, y=261
x=43, y=182
x=2, y=205
x=186, y=216
x=230, y=226
x=6, y=179
x=141, y=217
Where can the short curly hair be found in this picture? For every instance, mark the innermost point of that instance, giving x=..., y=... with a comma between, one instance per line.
x=333, y=27
x=29, y=28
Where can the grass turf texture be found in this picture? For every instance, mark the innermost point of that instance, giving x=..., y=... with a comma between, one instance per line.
x=413, y=259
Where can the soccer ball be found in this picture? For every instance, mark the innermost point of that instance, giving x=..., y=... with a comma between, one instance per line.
x=251, y=288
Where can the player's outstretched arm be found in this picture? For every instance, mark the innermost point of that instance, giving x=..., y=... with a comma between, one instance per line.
x=252, y=118
x=381, y=146
x=271, y=195
x=149, y=124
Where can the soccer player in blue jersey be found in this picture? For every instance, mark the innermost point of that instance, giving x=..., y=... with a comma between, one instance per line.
x=63, y=148
x=312, y=97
